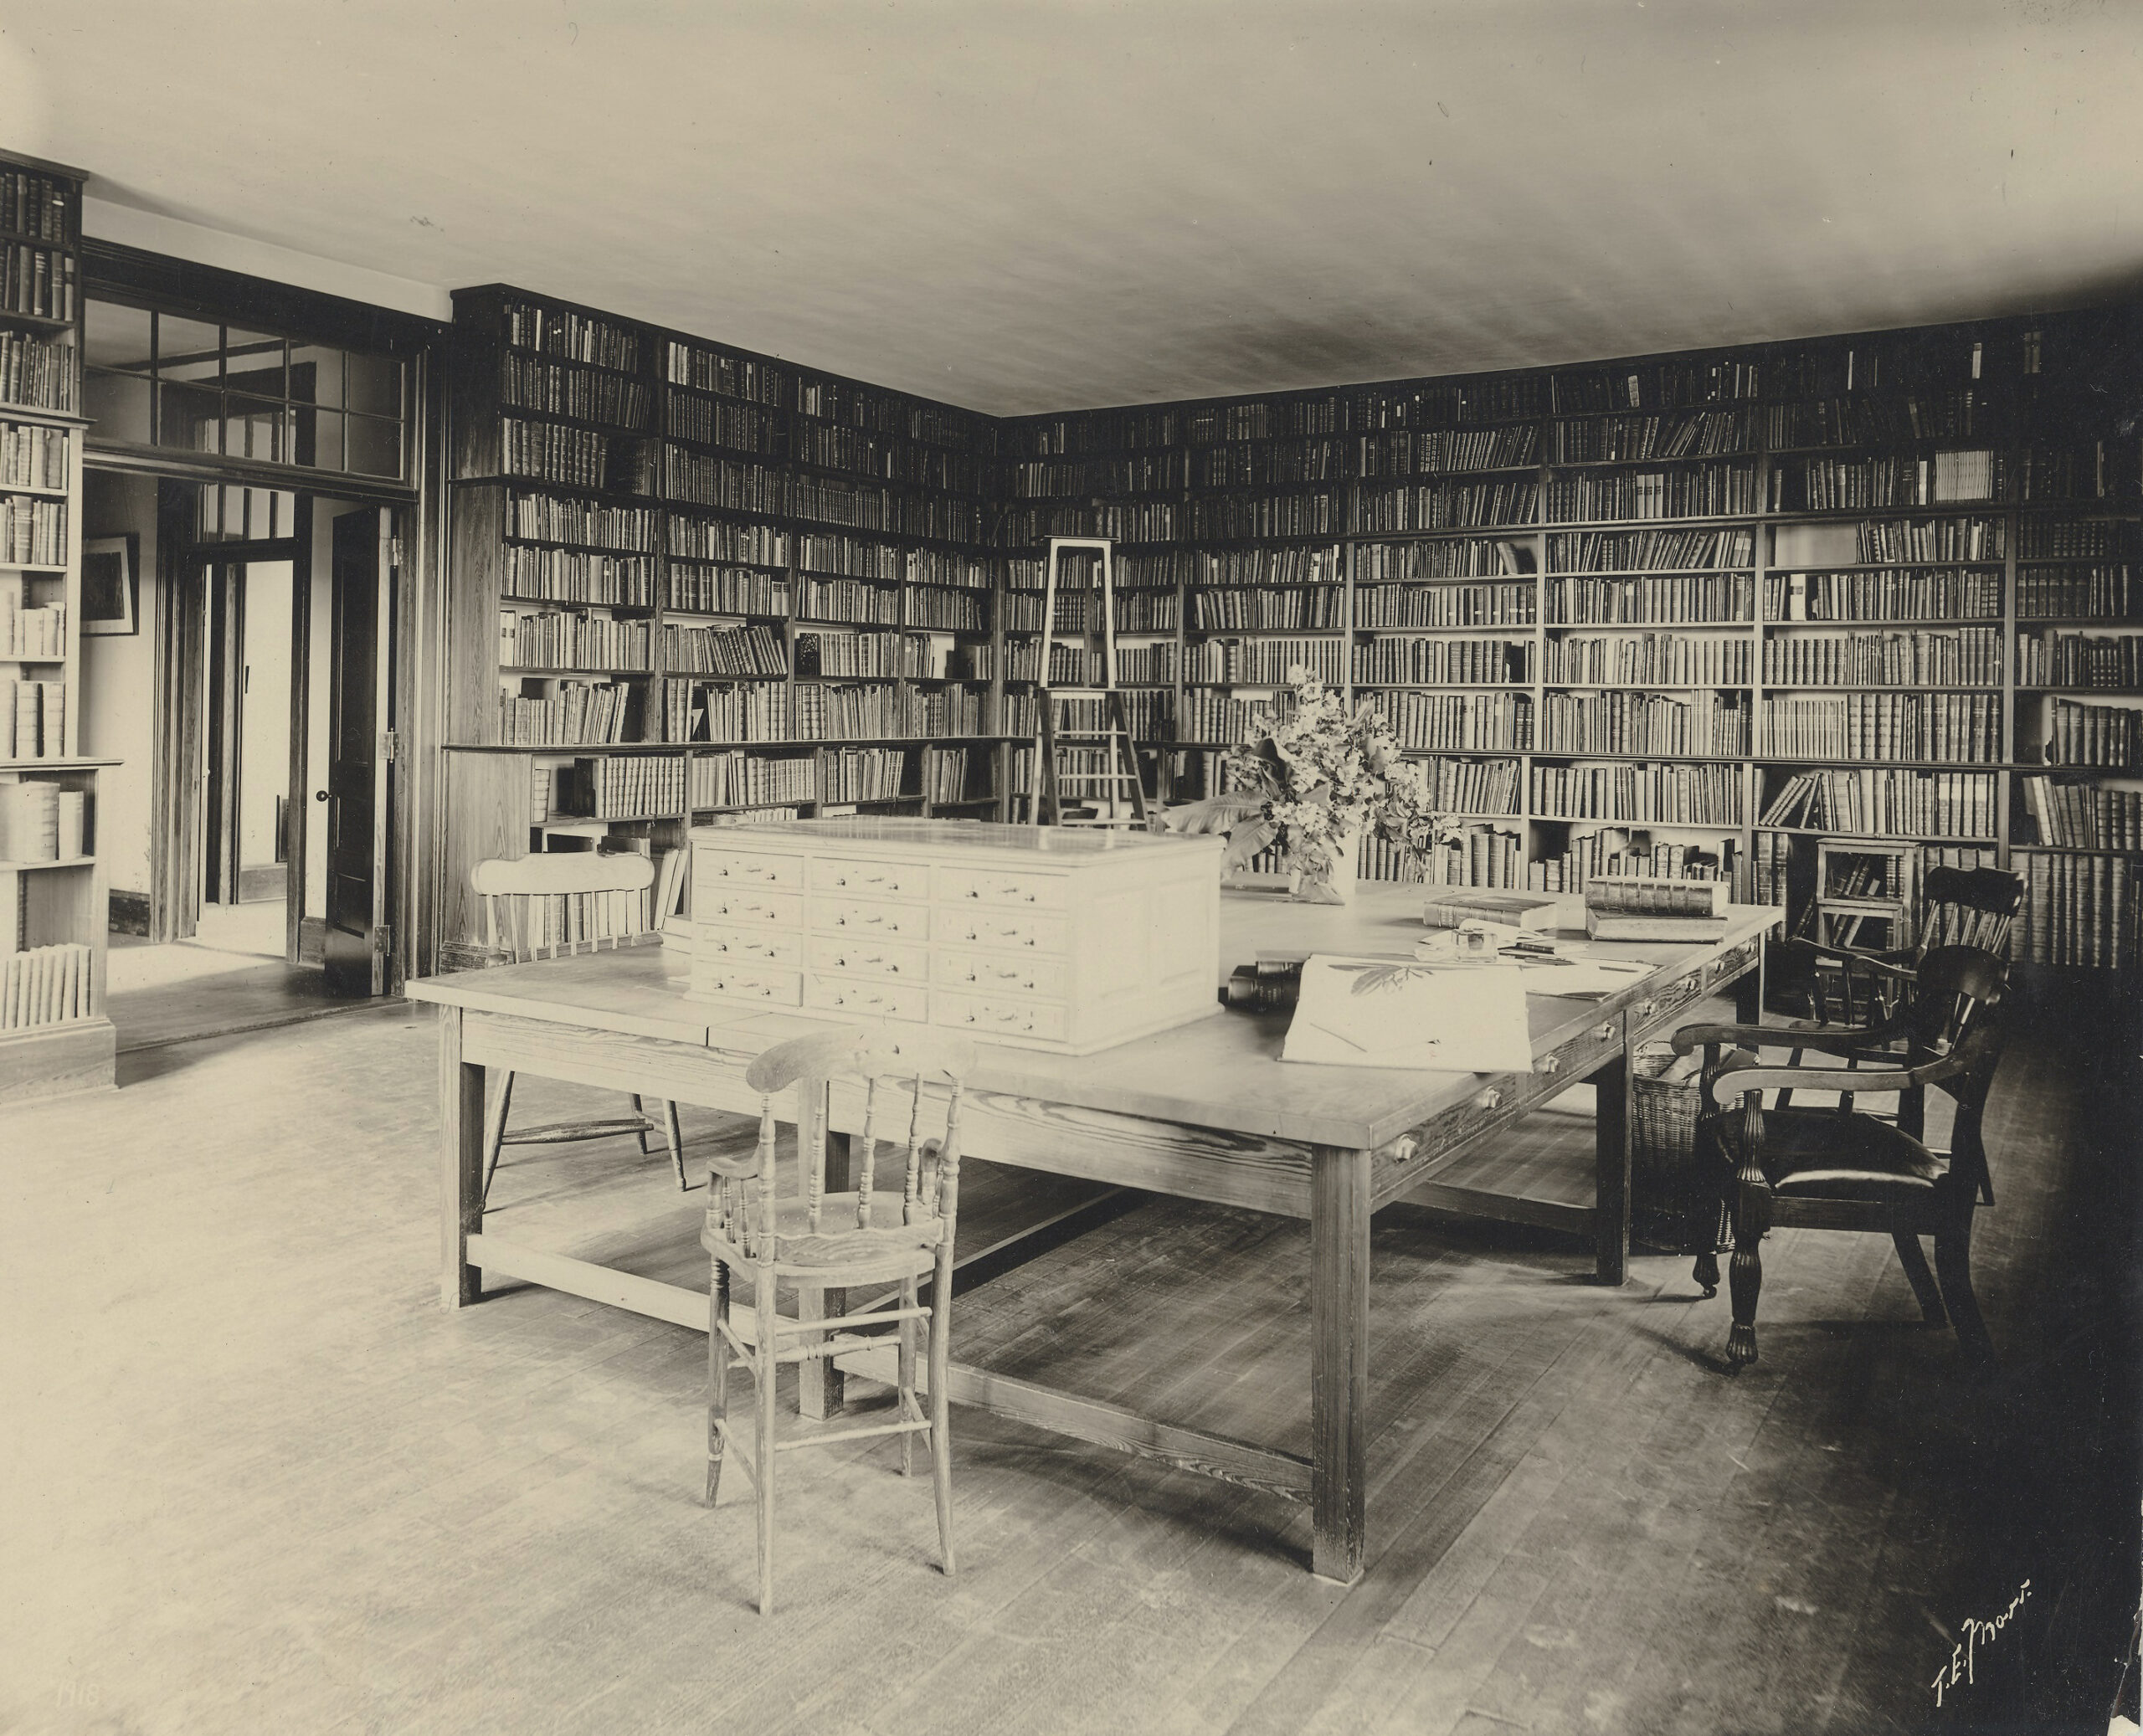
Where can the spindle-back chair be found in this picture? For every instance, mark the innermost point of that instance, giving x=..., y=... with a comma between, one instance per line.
x=816, y=1241
x=539, y=907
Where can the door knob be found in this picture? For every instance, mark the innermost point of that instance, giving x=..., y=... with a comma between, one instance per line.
x=320, y=795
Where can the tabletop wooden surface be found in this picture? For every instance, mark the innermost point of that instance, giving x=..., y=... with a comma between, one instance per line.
x=1223, y=1071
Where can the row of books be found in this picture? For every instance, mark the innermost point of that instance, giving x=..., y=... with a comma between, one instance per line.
x=578, y=713
x=1441, y=558
x=40, y=373
x=2079, y=910
x=1445, y=605
x=747, y=650
x=35, y=457
x=726, y=539
x=546, y=518
x=2079, y=659
x=1457, y=722
x=843, y=557
x=565, y=641
x=1647, y=794
x=571, y=575
x=907, y=419
x=1613, y=440
x=38, y=280
x=1594, y=857
x=916, y=466
x=1292, y=609
x=846, y=599
x=1876, y=421
x=1668, y=660
x=47, y=985
x=1136, y=611
x=1446, y=451
x=1411, y=658
x=2110, y=591
x=743, y=376
x=2047, y=537
x=1477, y=856
x=1961, y=727
x=1612, y=722
x=1771, y=858
x=1282, y=464
x=1899, y=540
x=33, y=532
x=34, y=205
x=862, y=775
x=749, y=711
x=1719, y=598
x=575, y=336
x=752, y=780
x=527, y=383
x=663, y=468
x=1709, y=491
x=945, y=777
x=723, y=590
x=552, y=452
x=714, y=422
x=32, y=720
x=915, y=656
x=1443, y=507
x=1649, y=551
x=829, y=712
x=2086, y=735
x=1472, y=786
x=945, y=611
x=2083, y=816
x=1657, y=385
x=1380, y=859
x=1845, y=485
x=1271, y=662
x=41, y=822
x=628, y=786
x=1909, y=594
x=1922, y=657
x=1148, y=713
x=40, y=631
x=1884, y=802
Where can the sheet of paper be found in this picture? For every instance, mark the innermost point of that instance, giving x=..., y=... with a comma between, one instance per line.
x=1395, y=1012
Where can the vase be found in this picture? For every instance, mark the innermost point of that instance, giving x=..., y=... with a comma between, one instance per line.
x=1325, y=874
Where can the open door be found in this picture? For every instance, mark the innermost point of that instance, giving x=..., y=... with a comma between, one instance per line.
x=358, y=941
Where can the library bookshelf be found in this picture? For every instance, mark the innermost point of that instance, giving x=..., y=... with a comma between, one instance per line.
x=693, y=582
x=1690, y=613
x=55, y=1035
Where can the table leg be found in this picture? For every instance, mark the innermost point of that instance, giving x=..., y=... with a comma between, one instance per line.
x=1748, y=990
x=820, y=1387
x=1611, y=1166
x=1339, y=1358
x=461, y=1163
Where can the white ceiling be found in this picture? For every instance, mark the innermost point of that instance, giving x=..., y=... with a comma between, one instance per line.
x=1040, y=206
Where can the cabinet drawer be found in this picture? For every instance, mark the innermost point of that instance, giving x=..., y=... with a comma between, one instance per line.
x=1000, y=973
x=766, y=945
x=1577, y=1056
x=991, y=887
x=1732, y=964
x=997, y=928
x=871, y=879
x=746, y=868
x=740, y=982
x=877, y=922
x=986, y=1015
x=860, y=995
x=1656, y=1009
x=865, y=955
x=735, y=904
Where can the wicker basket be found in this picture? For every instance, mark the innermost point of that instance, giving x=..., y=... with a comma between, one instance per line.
x=1671, y=1208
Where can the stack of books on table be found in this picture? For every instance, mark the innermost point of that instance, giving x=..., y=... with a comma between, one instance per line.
x=1652, y=908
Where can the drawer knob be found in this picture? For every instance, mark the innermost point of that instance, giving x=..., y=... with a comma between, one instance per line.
x=1549, y=1065
x=1644, y=1009
x=1603, y=1031
x=1489, y=1098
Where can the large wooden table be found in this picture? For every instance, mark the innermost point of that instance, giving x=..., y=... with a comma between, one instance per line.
x=1206, y=1111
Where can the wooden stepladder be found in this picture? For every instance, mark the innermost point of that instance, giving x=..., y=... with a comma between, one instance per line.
x=1087, y=768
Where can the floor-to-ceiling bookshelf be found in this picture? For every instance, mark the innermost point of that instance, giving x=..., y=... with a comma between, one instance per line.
x=55, y=1035
x=1687, y=612
x=694, y=583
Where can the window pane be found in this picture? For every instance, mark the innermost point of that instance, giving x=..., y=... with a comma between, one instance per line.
x=257, y=430
x=116, y=337
x=188, y=416
x=375, y=385
x=319, y=438
x=375, y=446
x=254, y=362
x=188, y=350
x=316, y=375
x=118, y=403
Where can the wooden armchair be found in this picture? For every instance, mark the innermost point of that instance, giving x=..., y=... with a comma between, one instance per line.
x=1840, y=1168
x=539, y=907
x=1958, y=907
x=815, y=1241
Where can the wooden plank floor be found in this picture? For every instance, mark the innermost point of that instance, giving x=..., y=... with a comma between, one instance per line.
x=257, y=1481
x=177, y=993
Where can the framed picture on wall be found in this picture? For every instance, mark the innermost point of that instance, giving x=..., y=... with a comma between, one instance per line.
x=110, y=575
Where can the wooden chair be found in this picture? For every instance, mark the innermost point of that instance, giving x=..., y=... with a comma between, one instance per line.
x=570, y=901
x=1840, y=1168
x=1958, y=907
x=816, y=1241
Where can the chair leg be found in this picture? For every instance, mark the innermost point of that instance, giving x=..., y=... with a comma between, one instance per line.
x=495, y=1129
x=640, y=1110
x=1922, y=1281
x=675, y=1134
x=1953, y=1263
x=717, y=1378
x=1705, y=1272
x=1744, y=1272
x=763, y=1303
x=909, y=1408
x=941, y=1435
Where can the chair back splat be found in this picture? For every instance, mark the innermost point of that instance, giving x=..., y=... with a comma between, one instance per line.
x=540, y=905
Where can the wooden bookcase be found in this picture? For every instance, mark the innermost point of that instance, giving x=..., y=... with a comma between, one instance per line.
x=1687, y=614
x=754, y=586
x=63, y=1039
